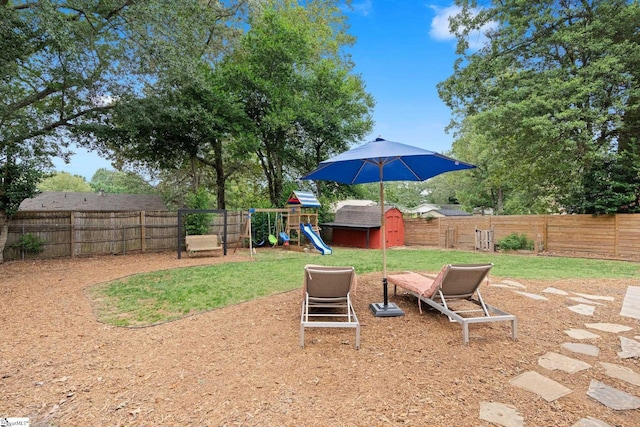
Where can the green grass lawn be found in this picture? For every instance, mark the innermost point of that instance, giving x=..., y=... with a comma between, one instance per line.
x=161, y=296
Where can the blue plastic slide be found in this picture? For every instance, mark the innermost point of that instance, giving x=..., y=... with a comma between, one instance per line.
x=315, y=239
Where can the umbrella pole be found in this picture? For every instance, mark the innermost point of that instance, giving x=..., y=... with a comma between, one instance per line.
x=385, y=309
x=383, y=232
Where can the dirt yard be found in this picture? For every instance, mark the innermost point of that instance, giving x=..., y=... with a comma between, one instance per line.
x=242, y=365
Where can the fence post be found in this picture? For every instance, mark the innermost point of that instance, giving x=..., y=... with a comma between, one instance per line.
x=545, y=234
x=72, y=234
x=142, y=231
x=616, y=232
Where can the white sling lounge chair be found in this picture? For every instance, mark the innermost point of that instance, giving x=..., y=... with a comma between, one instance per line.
x=455, y=282
x=327, y=299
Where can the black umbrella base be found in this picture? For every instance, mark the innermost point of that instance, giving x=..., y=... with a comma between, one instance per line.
x=390, y=310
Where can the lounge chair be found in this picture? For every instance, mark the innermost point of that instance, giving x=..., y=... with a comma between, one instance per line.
x=327, y=299
x=454, y=284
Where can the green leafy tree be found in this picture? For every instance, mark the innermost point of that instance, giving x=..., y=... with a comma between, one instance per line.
x=111, y=181
x=198, y=223
x=302, y=102
x=63, y=63
x=186, y=126
x=17, y=182
x=64, y=181
x=554, y=93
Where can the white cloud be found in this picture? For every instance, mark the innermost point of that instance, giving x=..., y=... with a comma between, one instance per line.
x=440, y=23
x=440, y=27
x=103, y=100
x=362, y=7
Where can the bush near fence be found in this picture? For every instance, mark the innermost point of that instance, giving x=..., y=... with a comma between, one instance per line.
x=94, y=233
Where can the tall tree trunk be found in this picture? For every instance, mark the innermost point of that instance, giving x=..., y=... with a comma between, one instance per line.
x=220, y=177
x=195, y=174
x=500, y=204
x=4, y=233
x=629, y=135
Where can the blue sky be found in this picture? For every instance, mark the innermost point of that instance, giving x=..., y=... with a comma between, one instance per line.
x=403, y=50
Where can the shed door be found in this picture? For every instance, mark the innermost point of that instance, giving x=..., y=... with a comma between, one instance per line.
x=394, y=228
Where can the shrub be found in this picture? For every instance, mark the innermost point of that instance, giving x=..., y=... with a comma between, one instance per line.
x=515, y=241
x=30, y=243
x=198, y=223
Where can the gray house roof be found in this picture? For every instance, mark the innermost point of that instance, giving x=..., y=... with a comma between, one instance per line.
x=106, y=202
x=453, y=212
x=427, y=209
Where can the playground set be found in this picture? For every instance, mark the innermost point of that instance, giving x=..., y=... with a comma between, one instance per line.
x=290, y=226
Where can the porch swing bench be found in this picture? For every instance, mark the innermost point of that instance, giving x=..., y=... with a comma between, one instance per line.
x=203, y=243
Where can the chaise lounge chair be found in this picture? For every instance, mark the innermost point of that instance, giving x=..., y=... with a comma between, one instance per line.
x=455, y=283
x=327, y=299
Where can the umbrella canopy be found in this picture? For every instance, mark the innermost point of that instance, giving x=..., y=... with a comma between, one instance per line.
x=383, y=160
x=379, y=161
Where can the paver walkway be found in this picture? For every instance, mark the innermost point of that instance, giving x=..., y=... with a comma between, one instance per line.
x=550, y=390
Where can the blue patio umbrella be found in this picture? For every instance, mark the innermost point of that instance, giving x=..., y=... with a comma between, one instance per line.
x=379, y=161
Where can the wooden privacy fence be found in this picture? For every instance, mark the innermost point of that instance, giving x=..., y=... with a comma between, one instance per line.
x=610, y=235
x=93, y=233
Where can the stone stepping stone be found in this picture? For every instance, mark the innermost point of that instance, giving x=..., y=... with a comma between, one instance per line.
x=584, y=300
x=621, y=373
x=555, y=291
x=553, y=361
x=631, y=303
x=608, y=327
x=533, y=296
x=612, y=397
x=584, y=309
x=591, y=422
x=581, y=334
x=501, y=285
x=630, y=348
x=514, y=284
x=501, y=414
x=588, y=349
x=595, y=297
x=544, y=387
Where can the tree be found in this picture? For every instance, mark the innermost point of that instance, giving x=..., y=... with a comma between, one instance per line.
x=64, y=181
x=181, y=125
x=302, y=102
x=555, y=92
x=198, y=223
x=111, y=181
x=17, y=182
x=64, y=62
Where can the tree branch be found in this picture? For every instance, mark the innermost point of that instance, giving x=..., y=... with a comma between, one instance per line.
x=33, y=98
x=64, y=121
x=117, y=11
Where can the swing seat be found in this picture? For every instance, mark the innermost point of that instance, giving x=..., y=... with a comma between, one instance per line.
x=273, y=240
x=202, y=243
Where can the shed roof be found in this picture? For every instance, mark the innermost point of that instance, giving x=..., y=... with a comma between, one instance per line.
x=105, y=202
x=304, y=199
x=363, y=216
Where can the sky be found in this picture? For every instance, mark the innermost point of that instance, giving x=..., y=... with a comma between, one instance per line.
x=403, y=50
